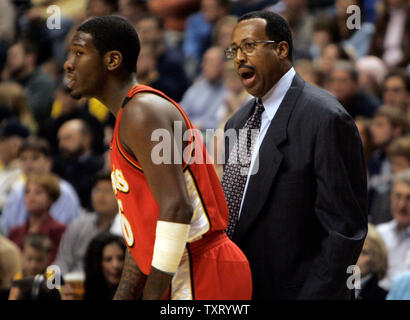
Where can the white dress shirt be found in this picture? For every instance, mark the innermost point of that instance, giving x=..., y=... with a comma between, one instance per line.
x=271, y=101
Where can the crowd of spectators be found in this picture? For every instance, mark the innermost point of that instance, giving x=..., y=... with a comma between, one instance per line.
x=55, y=190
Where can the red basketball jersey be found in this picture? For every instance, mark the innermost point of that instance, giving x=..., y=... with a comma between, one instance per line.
x=138, y=207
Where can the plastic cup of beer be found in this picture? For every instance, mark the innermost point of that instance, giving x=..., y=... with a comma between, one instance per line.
x=76, y=281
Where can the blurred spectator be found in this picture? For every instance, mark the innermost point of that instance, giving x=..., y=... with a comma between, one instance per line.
x=7, y=28
x=33, y=288
x=35, y=158
x=82, y=230
x=240, y=7
x=345, y=87
x=363, y=125
x=396, y=89
x=174, y=13
x=222, y=33
x=12, y=135
x=325, y=31
x=104, y=260
x=99, y=8
x=21, y=66
x=399, y=154
x=330, y=55
x=236, y=97
x=132, y=9
x=399, y=158
x=204, y=98
x=147, y=71
x=7, y=22
x=354, y=40
x=71, y=108
x=400, y=287
x=41, y=192
x=300, y=21
x=372, y=71
x=12, y=96
x=35, y=254
x=396, y=233
x=76, y=162
x=306, y=69
x=388, y=124
x=198, y=32
x=373, y=266
x=10, y=264
x=391, y=41
x=169, y=63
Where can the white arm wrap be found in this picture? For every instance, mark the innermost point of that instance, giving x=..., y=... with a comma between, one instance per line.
x=170, y=241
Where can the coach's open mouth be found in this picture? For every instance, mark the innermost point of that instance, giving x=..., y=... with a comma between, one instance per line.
x=248, y=76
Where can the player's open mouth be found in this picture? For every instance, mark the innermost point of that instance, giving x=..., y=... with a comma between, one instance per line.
x=247, y=75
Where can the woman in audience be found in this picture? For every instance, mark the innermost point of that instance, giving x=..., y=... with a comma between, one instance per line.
x=103, y=265
x=373, y=267
x=41, y=192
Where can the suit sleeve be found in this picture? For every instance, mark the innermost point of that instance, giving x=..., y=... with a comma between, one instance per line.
x=340, y=206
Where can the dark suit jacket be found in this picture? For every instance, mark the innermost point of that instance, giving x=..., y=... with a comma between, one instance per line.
x=372, y=291
x=304, y=218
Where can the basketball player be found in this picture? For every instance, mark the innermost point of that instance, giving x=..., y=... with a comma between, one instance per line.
x=172, y=215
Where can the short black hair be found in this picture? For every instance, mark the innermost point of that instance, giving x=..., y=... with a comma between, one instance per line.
x=102, y=175
x=33, y=143
x=276, y=27
x=149, y=16
x=114, y=33
x=399, y=73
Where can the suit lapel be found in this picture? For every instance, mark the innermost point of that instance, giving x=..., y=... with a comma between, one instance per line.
x=270, y=159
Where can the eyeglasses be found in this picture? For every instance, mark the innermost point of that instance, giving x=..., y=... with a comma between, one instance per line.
x=247, y=46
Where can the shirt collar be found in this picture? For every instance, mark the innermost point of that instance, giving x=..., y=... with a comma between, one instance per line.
x=277, y=93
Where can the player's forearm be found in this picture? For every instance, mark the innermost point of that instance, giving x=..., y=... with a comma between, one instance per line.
x=157, y=285
x=132, y=280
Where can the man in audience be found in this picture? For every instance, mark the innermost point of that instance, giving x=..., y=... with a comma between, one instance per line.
x=388, y=124
x=36, y=253
x=35, y=158
x=198, y=32
x=399, y=158
x=12, y=135
x=396, y=89
x=205, y=97
x=21, y=66
x=76, y=162
x=396, y=233
x=344, y=86
x=72, y=109
x=169, y=61
x=82, y=230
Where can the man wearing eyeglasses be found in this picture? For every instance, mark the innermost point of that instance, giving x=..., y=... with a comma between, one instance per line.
x=296, y=190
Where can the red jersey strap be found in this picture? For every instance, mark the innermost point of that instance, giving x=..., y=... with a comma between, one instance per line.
x=142, y=88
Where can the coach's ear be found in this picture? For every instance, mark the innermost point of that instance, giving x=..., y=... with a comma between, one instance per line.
x=112, y=60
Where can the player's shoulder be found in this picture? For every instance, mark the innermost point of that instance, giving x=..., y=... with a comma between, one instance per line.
x=145, y=107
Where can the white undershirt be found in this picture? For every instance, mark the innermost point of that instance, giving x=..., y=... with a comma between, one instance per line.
x=271, y=101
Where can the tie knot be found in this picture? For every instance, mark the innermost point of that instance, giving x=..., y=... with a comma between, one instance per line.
x=259, y=108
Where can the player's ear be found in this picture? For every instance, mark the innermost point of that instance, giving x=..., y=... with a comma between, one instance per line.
x=112, y=60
